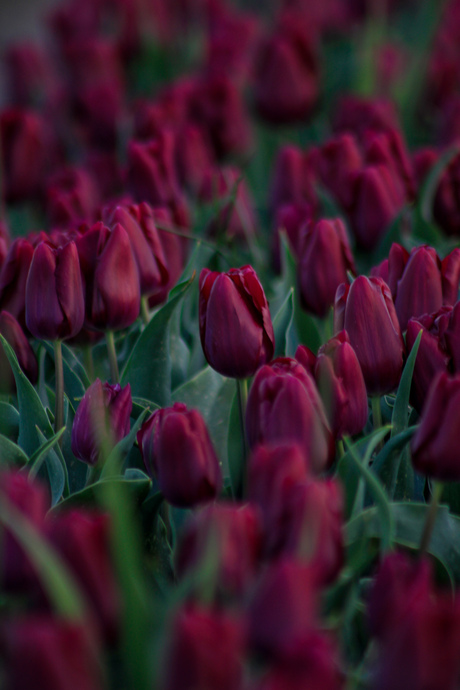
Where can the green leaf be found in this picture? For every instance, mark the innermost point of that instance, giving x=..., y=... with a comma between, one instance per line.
x=138, y=485
x=308, y=332
x=11, y=454
x=211, y=394
x=282, y=323
x=141, y=404
x=112, y=465
x=409, y=520
x=9, y=421
x=41, y=453
x=401, y=411
x=55, y=467
x=386, y=464
x=148, y=369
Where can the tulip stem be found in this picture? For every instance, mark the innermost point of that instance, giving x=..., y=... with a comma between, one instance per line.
x=145, y=312
x=242, y=393
x=88, y=361
x=430, y=518
x=110, y=340
x=376, y=412
x=59, y=397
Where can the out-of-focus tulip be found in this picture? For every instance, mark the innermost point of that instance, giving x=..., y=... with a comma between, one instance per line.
x=435, y=444
x=292, y=181
x=359, y=115
x=101, y=420
x=287, y=71
x=193, y=156
x=290, y=219
x=72, y=197
x=175, y=247
x=46, y=652
x=231, y=536
x=30, y=75
x=366, y=311
x=205, y=650
x=284, y=406
x=335, y=162
x=235, y=325
x=13, y=279
x=82, y=539
x=324, y=259
x=151, y=174
x=177, y=450
x=55, y=306
x=388, y=149
x=13, y=333
x=105, y=255
x=341, y=385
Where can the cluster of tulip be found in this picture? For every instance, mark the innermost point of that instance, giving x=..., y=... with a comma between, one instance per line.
x=241, y=488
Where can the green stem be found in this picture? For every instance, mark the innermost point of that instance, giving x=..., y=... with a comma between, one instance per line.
x=59, y=401
x=242, y=392
x=145, y=312
x=93, y=474
x=88, y=361
x=340, y=450
x=430, y=518
x=376, y=413
x=110, y=341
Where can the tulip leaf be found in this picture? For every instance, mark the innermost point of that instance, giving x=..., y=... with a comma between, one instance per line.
x=282, y=323
x=55, y=467
x=112, y=465
x=11, y=454
x=400, y=415
x=385, y=465
x=141, y=404
x=40, y=454
x=211, y=394
x=138, y=485
x=75, y=379
x=409, y=520
x=9, y=421
x=308, y=332
x=148, y=368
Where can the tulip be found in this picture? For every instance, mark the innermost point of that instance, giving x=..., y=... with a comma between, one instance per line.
x=388, y=149
x=177, y=450
x=72, y=197
x=151, y=174
x=235, y=325
x=174, y=248
x=324, y=259
x=359, y=115
x=15, y=336
x=435, y=444
x=284, y=406
x=451, y=337
x=193, y=156
x=13, y=279
x=55, y=307
x=366, y=311
x=101, y=420
x=205, y=650
x=335, y=162
x=291, y=182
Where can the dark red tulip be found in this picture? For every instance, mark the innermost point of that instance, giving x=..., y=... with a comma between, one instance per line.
x=366, y=311
x=324, y=259
x=341, y=384
x=72, y=197
x=177, y=450
x=235, y=324
x=205, y=650
x=287, y=71
x=105, y=255
x=231, y=535
x=284, y=406
x=388, y=149
x=151, y=174
x=435, y=444
x=101, y=420
x=30, y=75
x=55, y=306
x=160, y=220
x=15, y=336
x=289, y=219
x=335, y=162
x=193, y=156
x=359, y=115
x=13, y=279
x=292, y=180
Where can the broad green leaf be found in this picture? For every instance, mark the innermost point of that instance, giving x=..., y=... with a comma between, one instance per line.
x=55, y=467
x=138, y=486
x=141, y=404
x=9, y=421
x=282, y=323
x=211, y=394
x=306, y=325
x=148, y=369
x=11, y=454
x=387, y=462
x=112, y=465
x=40, y=454
x=400, y=416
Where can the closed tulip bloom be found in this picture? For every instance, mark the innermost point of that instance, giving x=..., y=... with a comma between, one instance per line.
x=101, y=420
x=13, y=279
x=151, y=175
x=284, y=406
x=15, y=336
x=292, y=180
x=366, y=311
x=359, y=115
x=111, y=277
x=335, y=162
x=324, y=259
x=341, y=384
x=451, y=337
x=435, y=444
x=177, y=450
x=55, y=307
x=235, y=325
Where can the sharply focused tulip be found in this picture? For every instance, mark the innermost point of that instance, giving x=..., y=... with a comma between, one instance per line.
x=435, y=444
x=235, y=325
x=105, y=255
x=101, y=420
x=284, y=406
x=55, y=306
x=15, y=336
x=324, y=259
x=341, y=384
x=178, y=451
x=366, y=311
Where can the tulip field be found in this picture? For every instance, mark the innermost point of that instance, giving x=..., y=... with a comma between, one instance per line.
x=230, y=347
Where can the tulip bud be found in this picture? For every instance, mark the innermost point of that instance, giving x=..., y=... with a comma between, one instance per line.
x=366, y=311
x=289, y=219
x=13, y=279
x=324, y=259
x=205, y=651
x=173, y=252
x=359, y=115
x=335, y=162
x=105, y=255
x=55, y=307
x=101, y=420
x=435, y=444
x=15, y=336
x=178, y=451
x=341, y=385
x=151, y=172
x=388, y=148
x=284, y=406
x=235, y=325
x=72, y=198
x=291, y=183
